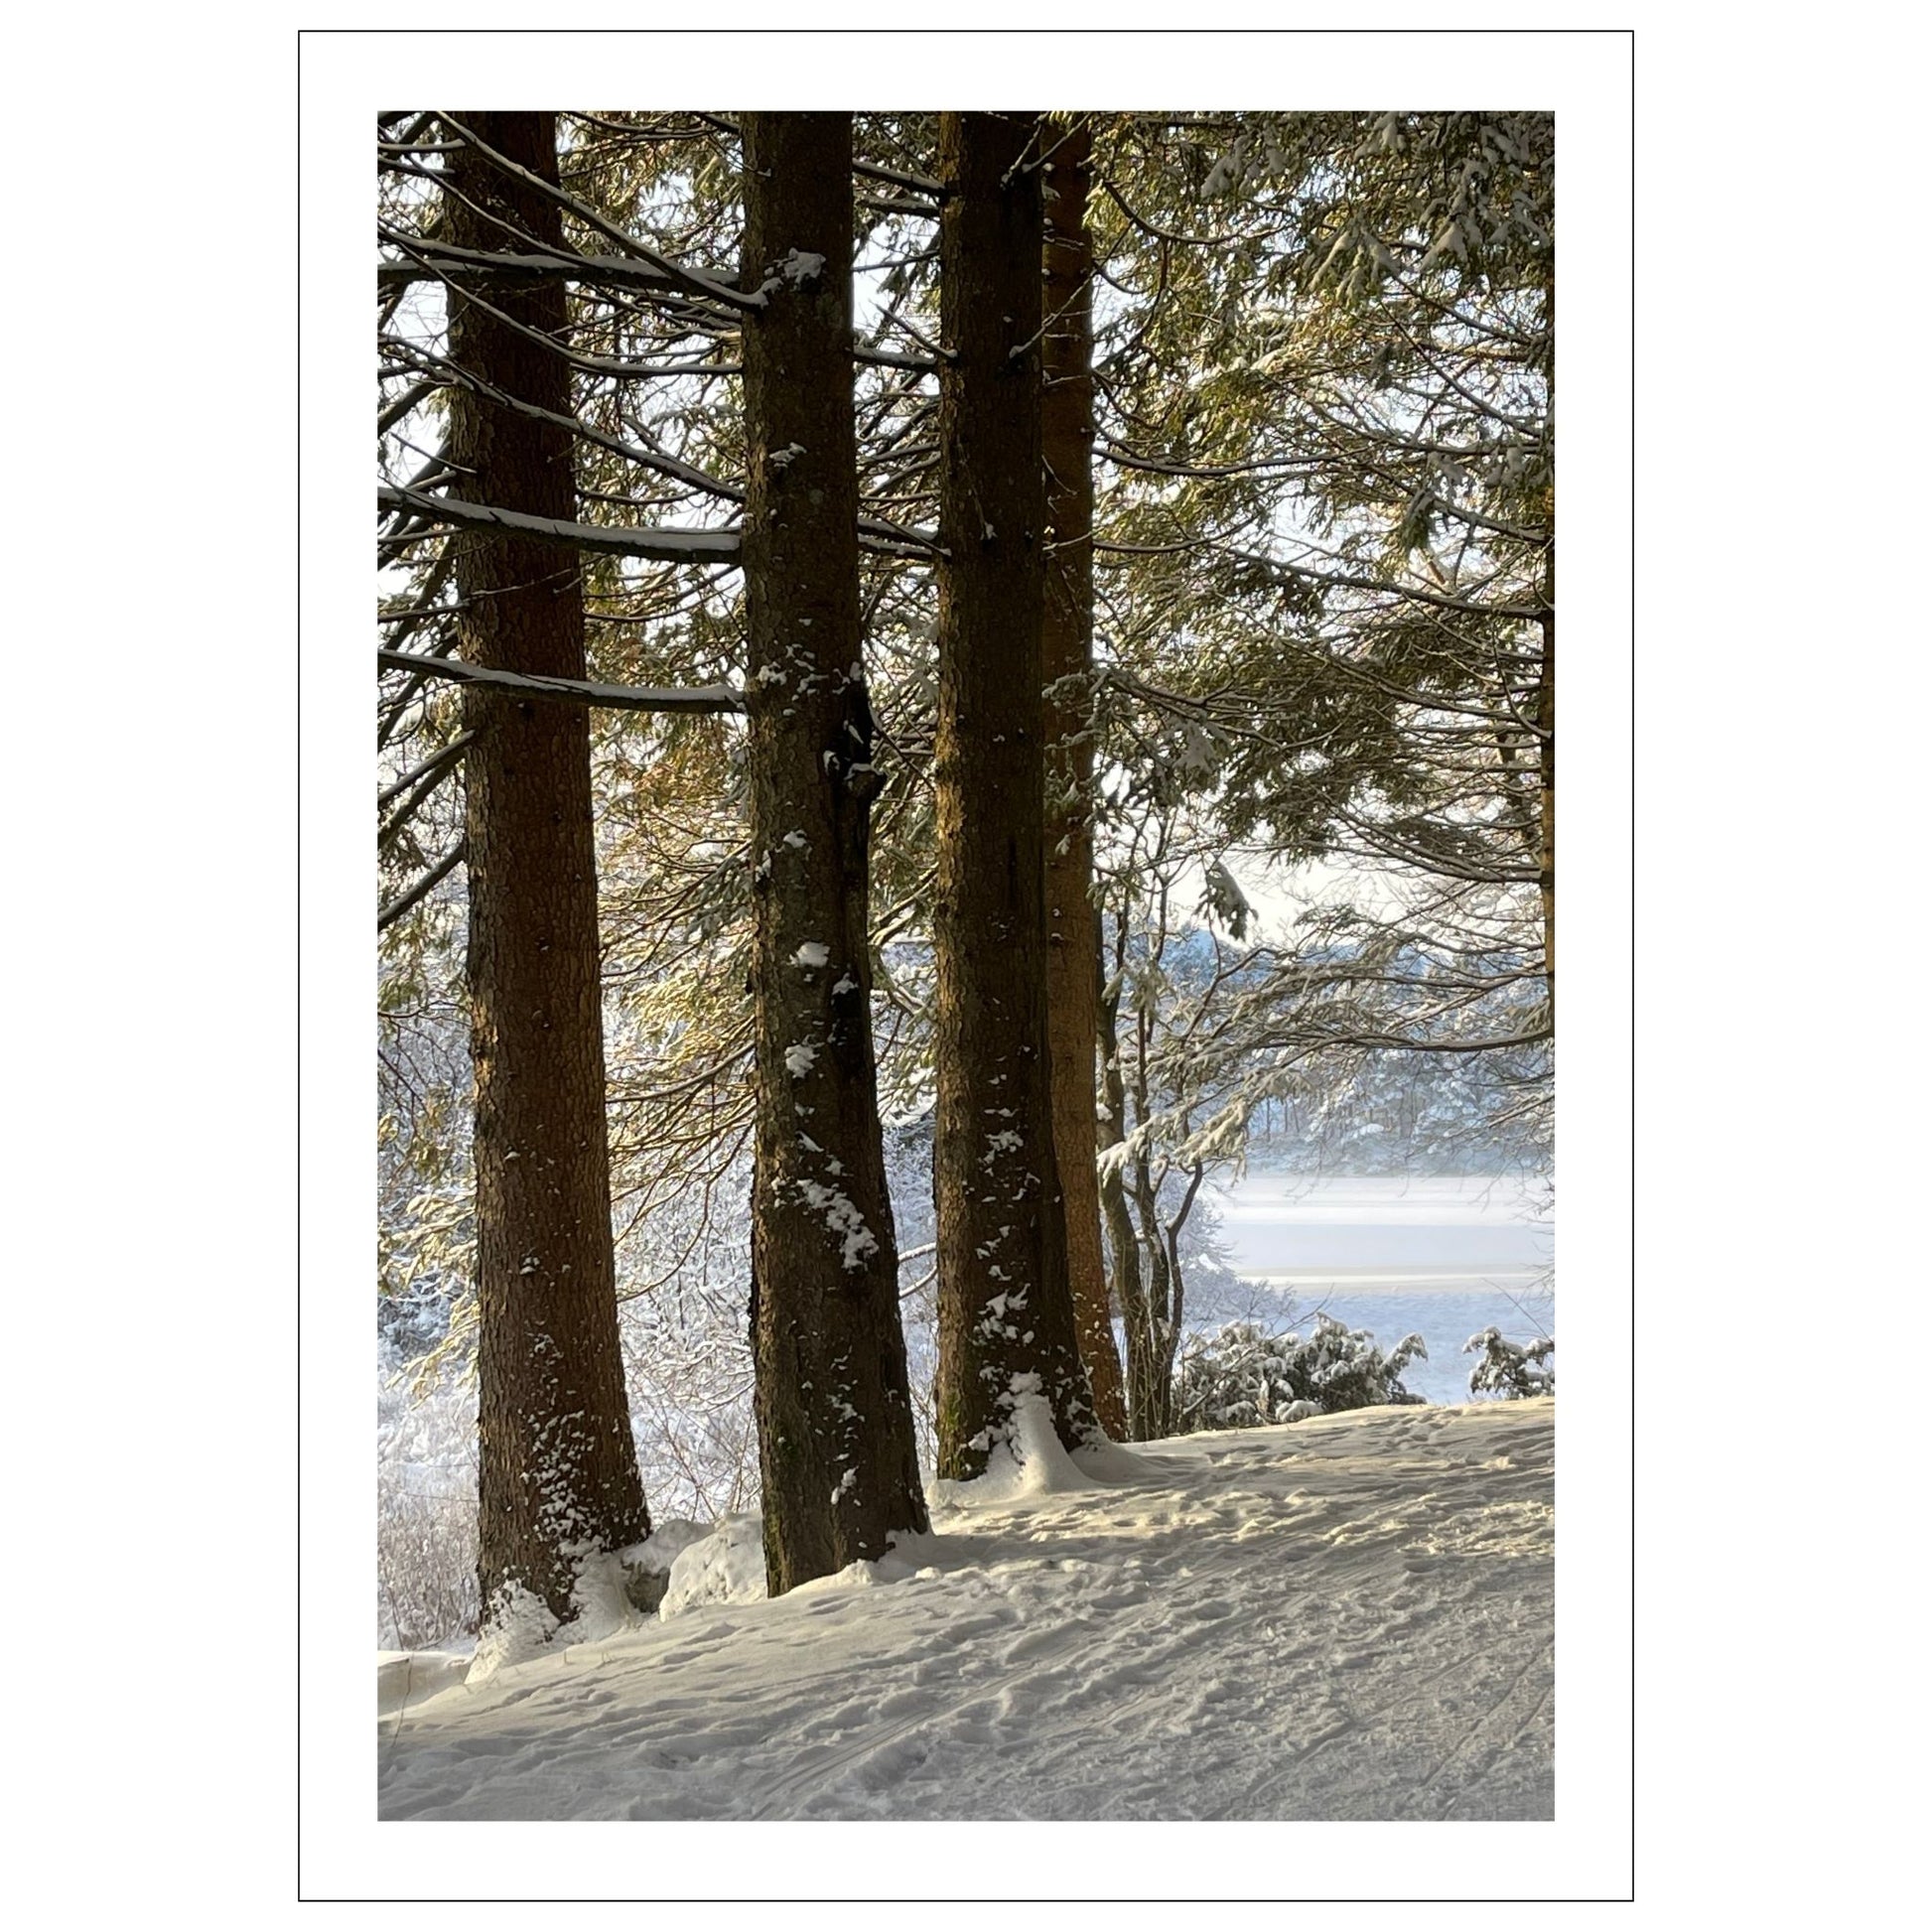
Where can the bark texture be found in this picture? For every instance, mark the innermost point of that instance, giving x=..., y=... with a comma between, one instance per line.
x=1547, y=717
x=1067, y=651
x=558, y=1469
x=836, y=1447
x=1547, y=869
x=1006, y=1314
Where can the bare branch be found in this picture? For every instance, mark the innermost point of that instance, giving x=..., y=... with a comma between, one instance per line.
x=390, y=913
x=433, y=763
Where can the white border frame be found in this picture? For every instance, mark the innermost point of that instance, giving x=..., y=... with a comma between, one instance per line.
x=1586, y=78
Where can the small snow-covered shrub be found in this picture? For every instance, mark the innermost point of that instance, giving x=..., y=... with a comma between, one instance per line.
x=1240, y=1376
x=1509, y=1371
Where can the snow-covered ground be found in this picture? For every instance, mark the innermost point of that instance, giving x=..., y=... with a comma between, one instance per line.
x=1349, y=1617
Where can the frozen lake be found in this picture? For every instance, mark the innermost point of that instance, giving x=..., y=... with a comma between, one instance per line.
x=1443, y=1256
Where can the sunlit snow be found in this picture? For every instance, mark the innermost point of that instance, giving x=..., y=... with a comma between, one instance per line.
x=1349, y=1617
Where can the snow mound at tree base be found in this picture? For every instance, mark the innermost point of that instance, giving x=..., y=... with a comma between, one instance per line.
x=1025, y=1458
x=406, y=1677
x=1347, y=1618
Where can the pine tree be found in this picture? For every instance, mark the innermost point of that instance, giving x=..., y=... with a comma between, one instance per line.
x=558, y=1469
x=1005, y=1315
x=1067, y=651
x=1326, y=524
x=834, y=1412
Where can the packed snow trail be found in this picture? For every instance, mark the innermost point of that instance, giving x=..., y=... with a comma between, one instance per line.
x=1349, y=1617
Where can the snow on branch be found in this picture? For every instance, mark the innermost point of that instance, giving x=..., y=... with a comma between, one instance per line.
x=687, y=279
x=661, y=546
x=1288, y=574
x=566, y=690
x=664, y=546
x=433, y=260
x=454, y=375
x=1117, y=452
x=899, y=178
x=885, y=358
x=890, y=540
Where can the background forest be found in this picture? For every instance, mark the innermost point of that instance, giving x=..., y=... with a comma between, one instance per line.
x=1294, y=407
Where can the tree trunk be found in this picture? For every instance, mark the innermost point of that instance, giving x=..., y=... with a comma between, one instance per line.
x=1131, y=1289
x=1066, y=650
x=1147, y=1352
x=1176, y=1294
x=1546, y=714
x=558, y=1469
x=1546, y=869
x=836, y=1450
x=1006, y=1314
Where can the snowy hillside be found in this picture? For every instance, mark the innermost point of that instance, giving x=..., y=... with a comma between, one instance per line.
x=1346, y=1618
